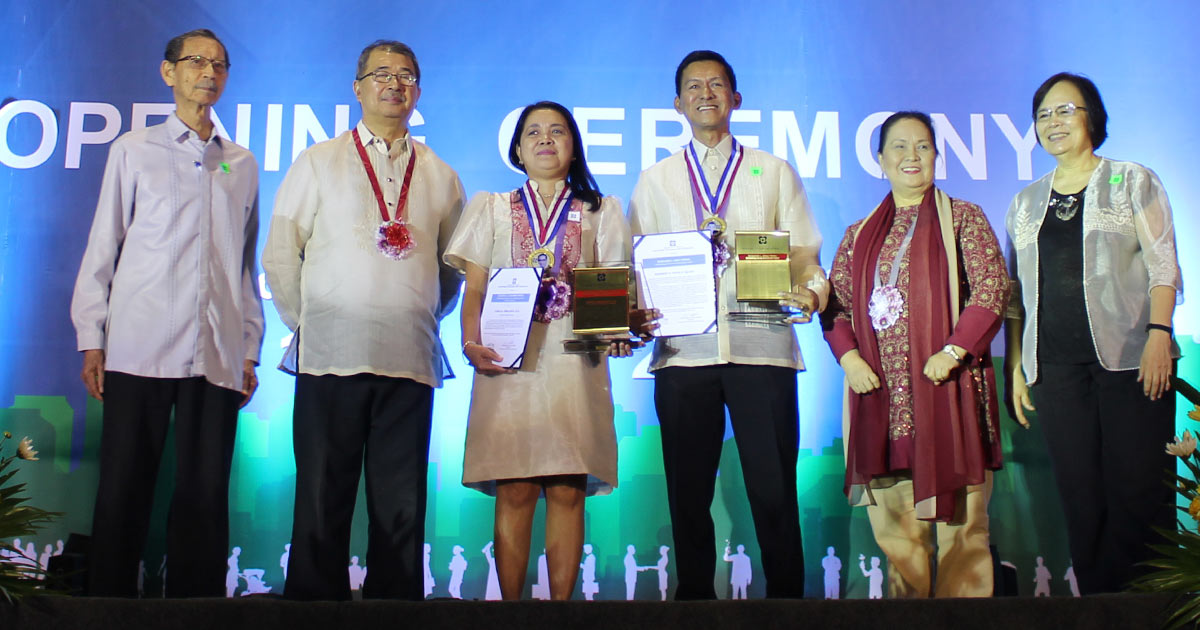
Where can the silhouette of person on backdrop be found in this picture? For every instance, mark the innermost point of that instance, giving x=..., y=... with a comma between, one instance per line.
x=875, y=576
x=741, y=573
x=458, y=566
x=541, y=588
x=357, y=575
x=429, y=581
x=493, y=581
x=833, y=574
x=1041, y=578
x=589, y=587
x=233, y=573
x=283, y=560
x=661, y=567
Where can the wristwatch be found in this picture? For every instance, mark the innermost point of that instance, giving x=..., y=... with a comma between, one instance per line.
x=949, y=349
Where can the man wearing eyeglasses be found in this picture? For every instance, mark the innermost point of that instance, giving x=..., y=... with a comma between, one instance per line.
x=353, y=258
x=169, y=321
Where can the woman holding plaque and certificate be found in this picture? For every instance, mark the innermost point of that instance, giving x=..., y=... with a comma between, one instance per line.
x=545, y=427
x=919, y=288
x=1095, y=271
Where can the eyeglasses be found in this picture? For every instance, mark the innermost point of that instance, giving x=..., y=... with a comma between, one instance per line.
x=383, y=76
x=1066, y=110
x=199, y=62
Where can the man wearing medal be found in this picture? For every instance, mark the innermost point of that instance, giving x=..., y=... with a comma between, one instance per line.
x=716, y=183
x=353, y=260
x=169, y=321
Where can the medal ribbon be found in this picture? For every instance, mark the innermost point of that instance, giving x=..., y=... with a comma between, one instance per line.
x=402, y=203
x=894, y=272
x=718, y=200
x=557, y=219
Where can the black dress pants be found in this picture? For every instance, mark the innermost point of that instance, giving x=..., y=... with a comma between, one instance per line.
x=342, y=427
x=137, y=413
x=1106, y=440
x=691, y=403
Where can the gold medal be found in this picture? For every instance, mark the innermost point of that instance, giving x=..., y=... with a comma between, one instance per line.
x=714, y=223
x=541, y=258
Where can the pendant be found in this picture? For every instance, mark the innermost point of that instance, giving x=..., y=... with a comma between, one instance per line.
x=1065, y=207
x=714, y=223
x=541, y=258
x=885, y=307
x=394, y=239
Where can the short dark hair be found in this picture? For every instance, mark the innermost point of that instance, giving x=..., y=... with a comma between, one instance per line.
x=175, y=46
x=920, y=117
x=1097, y=116
x=704, y=55
x=579, y=178
x=388, y=45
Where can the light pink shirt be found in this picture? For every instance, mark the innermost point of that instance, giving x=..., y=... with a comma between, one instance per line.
x=167, y=284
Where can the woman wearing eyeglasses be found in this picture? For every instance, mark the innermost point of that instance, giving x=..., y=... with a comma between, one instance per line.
x=1095, y=277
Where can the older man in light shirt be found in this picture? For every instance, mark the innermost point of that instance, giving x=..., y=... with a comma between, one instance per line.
x=747, y=367
x=353, y=260
x=167, y=315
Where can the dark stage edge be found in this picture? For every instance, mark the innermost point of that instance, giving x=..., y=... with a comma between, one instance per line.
x=1102, y=611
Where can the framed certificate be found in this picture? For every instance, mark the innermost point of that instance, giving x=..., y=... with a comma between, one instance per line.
x=508, y=313
x=675, y=275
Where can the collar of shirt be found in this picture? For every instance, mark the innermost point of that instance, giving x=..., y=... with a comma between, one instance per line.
x=399, y=148
x=720, y=153
x=183, y=133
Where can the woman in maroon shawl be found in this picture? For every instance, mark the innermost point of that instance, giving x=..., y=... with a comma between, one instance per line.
x=919, y=288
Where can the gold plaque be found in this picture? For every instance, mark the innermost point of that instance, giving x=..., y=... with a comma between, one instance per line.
x=602, y=301
x=762, y=264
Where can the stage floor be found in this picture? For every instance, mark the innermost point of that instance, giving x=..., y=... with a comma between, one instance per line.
x=271, y=613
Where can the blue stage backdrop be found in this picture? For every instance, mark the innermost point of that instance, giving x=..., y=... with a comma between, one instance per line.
x=817, y=80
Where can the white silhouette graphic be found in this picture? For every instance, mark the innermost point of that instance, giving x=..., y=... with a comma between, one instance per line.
x=875, y=585
x=358, y=574
x=254, y=582
x=162, y=572
x=233, y=575
x=283, y=560
x=44, y=565
x=741, y=573
x=1070, y=578
x=590, y=587
x=541, y=588
x=1041, y=577
x=833, y=574
x=493, y=581
x=58, y=549
x=631, y=571
x=661, y=567
x=458, y=566
x=141, y=579
x=429, y=583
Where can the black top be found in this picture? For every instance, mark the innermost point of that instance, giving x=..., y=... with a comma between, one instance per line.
x=1064, y=336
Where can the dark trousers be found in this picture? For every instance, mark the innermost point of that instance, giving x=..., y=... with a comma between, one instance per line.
x=691, y=402
x=342, y=427
x=136, y=416
x=1106, y=439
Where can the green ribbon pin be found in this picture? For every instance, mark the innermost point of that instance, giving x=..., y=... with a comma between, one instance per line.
x=755, y=170
x=1115, y=179
x=224, y=167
